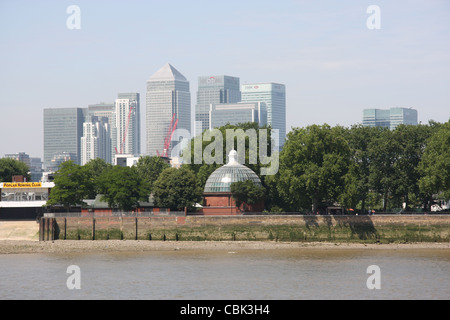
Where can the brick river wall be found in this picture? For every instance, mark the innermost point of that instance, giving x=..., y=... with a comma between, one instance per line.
x=375, y=228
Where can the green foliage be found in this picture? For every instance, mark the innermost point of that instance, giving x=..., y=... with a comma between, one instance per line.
x=435, y=164
x=246, y=192
x=149, y=169
x=213, y=145
x=313, y=164
x=123, y=187
x=93, y=170
x=177, y=189
x=71, y=185
x=11, y=167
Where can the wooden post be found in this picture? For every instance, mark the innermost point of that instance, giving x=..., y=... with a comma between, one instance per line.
x=53, y=223
x=136, y=222
x=93, y=228
x=48, y=228
x=41, y=229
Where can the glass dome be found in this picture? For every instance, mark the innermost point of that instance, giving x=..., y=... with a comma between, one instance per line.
x=221, y=179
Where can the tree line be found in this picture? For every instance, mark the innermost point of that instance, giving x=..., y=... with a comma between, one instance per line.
x=363, y=167
x=357, y=167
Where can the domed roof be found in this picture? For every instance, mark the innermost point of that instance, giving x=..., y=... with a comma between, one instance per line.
x=221, y=179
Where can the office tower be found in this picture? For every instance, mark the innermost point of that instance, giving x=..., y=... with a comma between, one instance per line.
x=389, y=118
x=21, y=156
x=34, y=164
x=168, y=108
x=376, y=118
x=96, y=140
x=274, y=96
x=126, y=125
x=214, y=90
x=234, y=113
x=36, y=169
x=102, y=110
x=63, y=129
x=399, y=116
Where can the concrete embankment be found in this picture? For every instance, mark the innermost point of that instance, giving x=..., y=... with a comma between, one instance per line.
x=295, y=228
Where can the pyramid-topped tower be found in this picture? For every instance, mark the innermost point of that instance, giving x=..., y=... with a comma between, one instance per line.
x=168, y=104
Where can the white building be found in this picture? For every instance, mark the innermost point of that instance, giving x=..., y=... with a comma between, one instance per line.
x=126, y=139
x=96, y=140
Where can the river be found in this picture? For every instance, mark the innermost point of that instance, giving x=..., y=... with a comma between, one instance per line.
x=242, y=274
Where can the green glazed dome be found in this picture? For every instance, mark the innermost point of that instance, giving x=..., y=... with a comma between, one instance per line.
x=221, y=179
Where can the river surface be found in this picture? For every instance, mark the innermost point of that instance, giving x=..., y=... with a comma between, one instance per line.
x=205, y=275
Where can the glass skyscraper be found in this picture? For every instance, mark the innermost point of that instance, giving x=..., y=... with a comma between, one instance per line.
x=235, y=113
x=389, y=118
x=63, y=129
x=274, y=96
x=214, y=90
x=168, y=102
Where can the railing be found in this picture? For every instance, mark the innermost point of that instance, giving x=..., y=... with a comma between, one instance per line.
x=114, y=214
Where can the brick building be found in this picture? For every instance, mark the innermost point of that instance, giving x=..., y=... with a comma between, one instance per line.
x=217, y=196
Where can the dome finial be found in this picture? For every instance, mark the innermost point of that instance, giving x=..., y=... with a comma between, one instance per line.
x=232, y=156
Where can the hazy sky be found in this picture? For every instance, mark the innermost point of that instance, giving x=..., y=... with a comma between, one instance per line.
x=332, y=64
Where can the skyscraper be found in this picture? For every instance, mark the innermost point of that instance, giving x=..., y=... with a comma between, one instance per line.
x=126, y=125
x=106, y=110
x=96, y=140
x=406, y=116
x=63, y=128
x=168, y=104
x=389, y=118
x=274, y=96
x=214, y=90
x=235, y=113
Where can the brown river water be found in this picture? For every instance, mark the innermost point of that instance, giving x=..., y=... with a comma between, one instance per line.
x=293, y=274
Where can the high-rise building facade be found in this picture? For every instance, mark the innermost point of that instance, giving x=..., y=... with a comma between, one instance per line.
x=63, y=129
x=168, y=104
x=126, y=126
x=274, y=96
x=389, y=118
x=214, y=90
x=96, y=140
x=108, y=111
x=399, y=116
x=235, y=113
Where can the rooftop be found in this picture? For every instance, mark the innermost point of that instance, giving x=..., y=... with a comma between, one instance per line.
x=167, y=73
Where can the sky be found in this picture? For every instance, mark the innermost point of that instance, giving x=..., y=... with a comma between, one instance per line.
x=332, y=63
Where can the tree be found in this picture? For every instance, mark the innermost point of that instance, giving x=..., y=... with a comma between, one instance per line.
x=11, y=167
x=93, y=170
x=149, y=169
x=435, y=165
x=382, y=153
x=410, y=142
x=71, y=185
x=313, y=162
x=213, y=146
x=246, y=192
x=177, y=189
x=357, y=186
x=123, y=187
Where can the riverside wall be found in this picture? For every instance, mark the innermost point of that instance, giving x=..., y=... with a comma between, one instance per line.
x=362, y=228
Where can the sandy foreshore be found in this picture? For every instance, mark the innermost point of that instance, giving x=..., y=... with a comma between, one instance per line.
x=74, y=246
